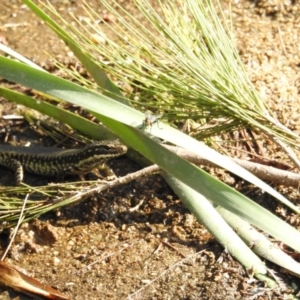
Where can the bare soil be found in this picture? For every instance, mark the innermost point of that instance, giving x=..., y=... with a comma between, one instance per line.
x=138, y=241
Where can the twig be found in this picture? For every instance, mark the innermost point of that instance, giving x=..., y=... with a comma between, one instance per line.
x=264, y=172
x=10, y=25
x=109, y=184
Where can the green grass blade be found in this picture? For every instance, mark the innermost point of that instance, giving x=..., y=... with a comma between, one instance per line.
x=261, y=245
x=98, y=75
x=224, y=234
x=75, y=121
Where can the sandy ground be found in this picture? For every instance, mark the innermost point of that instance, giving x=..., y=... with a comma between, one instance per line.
x=101, y=248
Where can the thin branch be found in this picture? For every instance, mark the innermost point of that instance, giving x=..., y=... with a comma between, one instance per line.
x=267, y=173
x=108, y=184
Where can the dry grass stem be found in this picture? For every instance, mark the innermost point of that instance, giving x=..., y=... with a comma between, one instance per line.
x=16, y=229
x=58, y=195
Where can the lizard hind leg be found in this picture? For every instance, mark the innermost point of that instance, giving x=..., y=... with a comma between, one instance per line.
x=16, y=166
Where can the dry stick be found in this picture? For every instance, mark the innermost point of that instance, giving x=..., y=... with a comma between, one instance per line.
x=264, y=172
x=109, y=184
x=288, y=150
x=10, y=25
